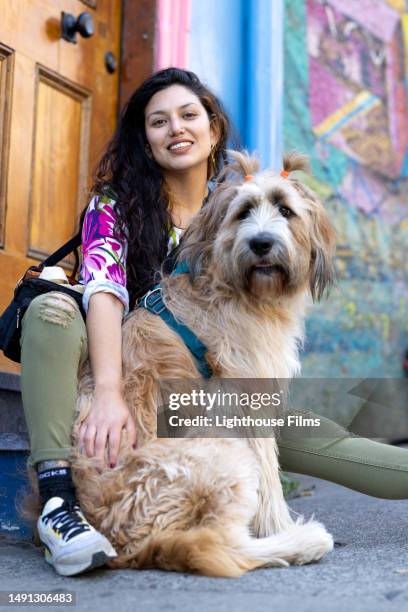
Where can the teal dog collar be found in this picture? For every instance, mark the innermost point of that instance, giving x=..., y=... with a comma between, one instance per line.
x=153, y=302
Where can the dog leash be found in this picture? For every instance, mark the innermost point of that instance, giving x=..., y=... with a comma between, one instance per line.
x=153, y=302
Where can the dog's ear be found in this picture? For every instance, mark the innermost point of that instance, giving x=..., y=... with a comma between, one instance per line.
x=296, y=161
x=199, y=237
x=322, y=273
x=323, y=238
x=243, y=164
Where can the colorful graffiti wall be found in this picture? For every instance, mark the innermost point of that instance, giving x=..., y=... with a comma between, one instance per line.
x=345, y=104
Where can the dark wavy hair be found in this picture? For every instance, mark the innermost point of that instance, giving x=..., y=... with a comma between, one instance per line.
x=136, y=181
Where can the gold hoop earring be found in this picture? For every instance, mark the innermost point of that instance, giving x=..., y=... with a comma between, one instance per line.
x=212, y=158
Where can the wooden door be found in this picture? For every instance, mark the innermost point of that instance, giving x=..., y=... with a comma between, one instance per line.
x=58, y=107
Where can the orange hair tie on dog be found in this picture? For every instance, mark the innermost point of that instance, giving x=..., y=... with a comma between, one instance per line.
x=284, y=173
x=248, y=177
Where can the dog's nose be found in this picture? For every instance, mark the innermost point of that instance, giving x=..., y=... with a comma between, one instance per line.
x=261, y=244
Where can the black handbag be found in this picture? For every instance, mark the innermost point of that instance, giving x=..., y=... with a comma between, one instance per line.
x=29, y=287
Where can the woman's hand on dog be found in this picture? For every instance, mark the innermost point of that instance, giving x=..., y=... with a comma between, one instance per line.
x=103, y=427
x=102, y=430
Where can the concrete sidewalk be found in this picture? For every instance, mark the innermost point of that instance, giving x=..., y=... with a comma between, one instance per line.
x=359, y=575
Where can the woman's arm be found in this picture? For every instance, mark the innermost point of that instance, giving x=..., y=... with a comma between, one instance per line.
x=109, y=413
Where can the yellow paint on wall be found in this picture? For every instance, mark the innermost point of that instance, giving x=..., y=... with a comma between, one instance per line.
x=362, y=103
x=323, y=190
x=351, y=308
x=398, y=5
x=404, y=25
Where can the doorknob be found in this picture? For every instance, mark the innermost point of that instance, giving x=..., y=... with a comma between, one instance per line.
x=110, y=62
x=70, y=26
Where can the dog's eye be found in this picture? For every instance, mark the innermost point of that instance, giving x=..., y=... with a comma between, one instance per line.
x=285, y=212
x=244, y=214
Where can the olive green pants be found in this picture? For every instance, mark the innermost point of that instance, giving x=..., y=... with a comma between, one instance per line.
x=54, y=341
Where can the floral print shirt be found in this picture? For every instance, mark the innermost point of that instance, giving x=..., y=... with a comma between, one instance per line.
x=103, y=265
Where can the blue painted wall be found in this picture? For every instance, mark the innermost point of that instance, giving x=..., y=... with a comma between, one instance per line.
x=236, y=48
x=218, y=52
x=264, y=81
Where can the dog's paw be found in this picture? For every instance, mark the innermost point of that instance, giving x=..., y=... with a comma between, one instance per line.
x=314, y=542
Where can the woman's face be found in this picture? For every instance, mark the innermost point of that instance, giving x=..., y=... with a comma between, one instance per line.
x=178, y=129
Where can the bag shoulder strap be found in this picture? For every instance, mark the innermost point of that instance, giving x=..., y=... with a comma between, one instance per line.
x=63, y=251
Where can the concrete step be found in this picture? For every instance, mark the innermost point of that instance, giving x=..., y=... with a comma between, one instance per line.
x=14, y=447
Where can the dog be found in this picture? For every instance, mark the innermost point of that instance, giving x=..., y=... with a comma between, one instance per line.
x=257, y=251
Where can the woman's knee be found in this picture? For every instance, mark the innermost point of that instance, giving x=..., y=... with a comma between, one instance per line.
x=55, y=321
x=55, y=307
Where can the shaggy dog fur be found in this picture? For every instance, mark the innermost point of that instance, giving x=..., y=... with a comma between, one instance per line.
x=257, y=252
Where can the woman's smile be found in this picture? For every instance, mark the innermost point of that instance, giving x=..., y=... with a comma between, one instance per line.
x=179, y=147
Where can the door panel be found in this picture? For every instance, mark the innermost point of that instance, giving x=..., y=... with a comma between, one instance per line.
x=58, y=107
x=6, y=74
x=59, y=174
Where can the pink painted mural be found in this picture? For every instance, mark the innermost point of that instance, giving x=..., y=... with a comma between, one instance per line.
x=173, y=19
x=346, y=105
x=357, y=87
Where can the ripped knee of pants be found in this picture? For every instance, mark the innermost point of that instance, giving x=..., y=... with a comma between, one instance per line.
x=58, y=308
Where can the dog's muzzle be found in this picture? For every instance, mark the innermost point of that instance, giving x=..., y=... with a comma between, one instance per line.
x=270, y=256
x=261, y=244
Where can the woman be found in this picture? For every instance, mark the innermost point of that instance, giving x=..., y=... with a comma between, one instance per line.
x=170, y=141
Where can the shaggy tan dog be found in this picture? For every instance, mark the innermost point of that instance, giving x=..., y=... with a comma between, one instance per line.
x=256, y=251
